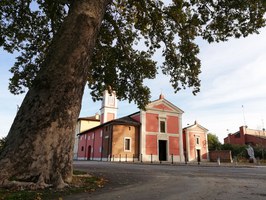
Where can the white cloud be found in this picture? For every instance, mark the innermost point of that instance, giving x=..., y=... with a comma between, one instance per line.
x=243, y=83
x=233, y=75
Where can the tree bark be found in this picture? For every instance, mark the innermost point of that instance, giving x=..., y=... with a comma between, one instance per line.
x=39, y=146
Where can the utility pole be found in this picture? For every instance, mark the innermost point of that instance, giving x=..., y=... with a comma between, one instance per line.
x=244, y=115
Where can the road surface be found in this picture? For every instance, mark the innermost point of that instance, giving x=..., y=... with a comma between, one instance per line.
x=131, y=181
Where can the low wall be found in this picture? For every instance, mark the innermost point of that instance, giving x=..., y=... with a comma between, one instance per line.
x=224, y=155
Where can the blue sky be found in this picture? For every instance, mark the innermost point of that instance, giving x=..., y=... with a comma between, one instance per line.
x=233, y=74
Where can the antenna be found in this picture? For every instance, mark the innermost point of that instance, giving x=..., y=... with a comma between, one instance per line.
x=244, y=115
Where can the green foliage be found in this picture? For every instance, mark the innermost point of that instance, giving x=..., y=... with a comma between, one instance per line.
x=259, y=152
x=239, y=151
x=131, y=33
x=21, y=195
x=213, y=142
x=78, y=172
x=28, y=27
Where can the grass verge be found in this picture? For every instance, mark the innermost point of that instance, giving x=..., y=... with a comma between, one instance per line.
x=82, y=182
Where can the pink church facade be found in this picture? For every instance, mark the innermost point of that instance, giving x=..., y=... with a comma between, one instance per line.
x=161, y=132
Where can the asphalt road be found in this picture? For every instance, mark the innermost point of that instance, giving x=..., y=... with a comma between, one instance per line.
x=174, y=182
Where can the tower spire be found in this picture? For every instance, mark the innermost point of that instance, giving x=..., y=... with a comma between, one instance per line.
x=161, y=96
x=109, y=107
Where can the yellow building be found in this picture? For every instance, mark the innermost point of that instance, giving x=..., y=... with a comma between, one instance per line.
x=84, y=124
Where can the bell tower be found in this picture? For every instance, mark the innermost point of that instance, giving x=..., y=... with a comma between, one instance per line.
x=109, y=107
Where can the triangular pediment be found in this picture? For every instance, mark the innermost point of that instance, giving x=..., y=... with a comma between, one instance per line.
x=197, y=127
x=163, y=105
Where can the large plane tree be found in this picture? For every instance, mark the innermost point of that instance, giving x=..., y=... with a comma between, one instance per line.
x=108, y=44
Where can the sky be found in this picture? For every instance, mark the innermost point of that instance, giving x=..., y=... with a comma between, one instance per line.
x=233, y=89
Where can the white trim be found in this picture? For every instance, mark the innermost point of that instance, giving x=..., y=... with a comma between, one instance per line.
x=163, y=137
x=181, y=149
x=151, y=105
x=81, y=158
x=127, y=138
x=168, y=156
x=188, y=145
x=162, y=113
x=143, y=133
x=163, y=119
x=107, y=107
x=197, y=138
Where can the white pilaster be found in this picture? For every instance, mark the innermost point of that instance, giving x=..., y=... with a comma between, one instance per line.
x=181, y=149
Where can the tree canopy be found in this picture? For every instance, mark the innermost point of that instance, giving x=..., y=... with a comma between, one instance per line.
x=131, y=33
x=213, y=142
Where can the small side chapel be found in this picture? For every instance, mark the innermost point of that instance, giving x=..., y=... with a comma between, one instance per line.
x=154, y=134
x=195, y=141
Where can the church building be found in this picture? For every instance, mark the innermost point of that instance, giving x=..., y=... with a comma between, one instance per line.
x=154, y=134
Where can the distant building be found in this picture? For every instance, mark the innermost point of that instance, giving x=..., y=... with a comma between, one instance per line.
x=247, y=136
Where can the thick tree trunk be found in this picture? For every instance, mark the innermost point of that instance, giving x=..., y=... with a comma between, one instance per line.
x=40, y=142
